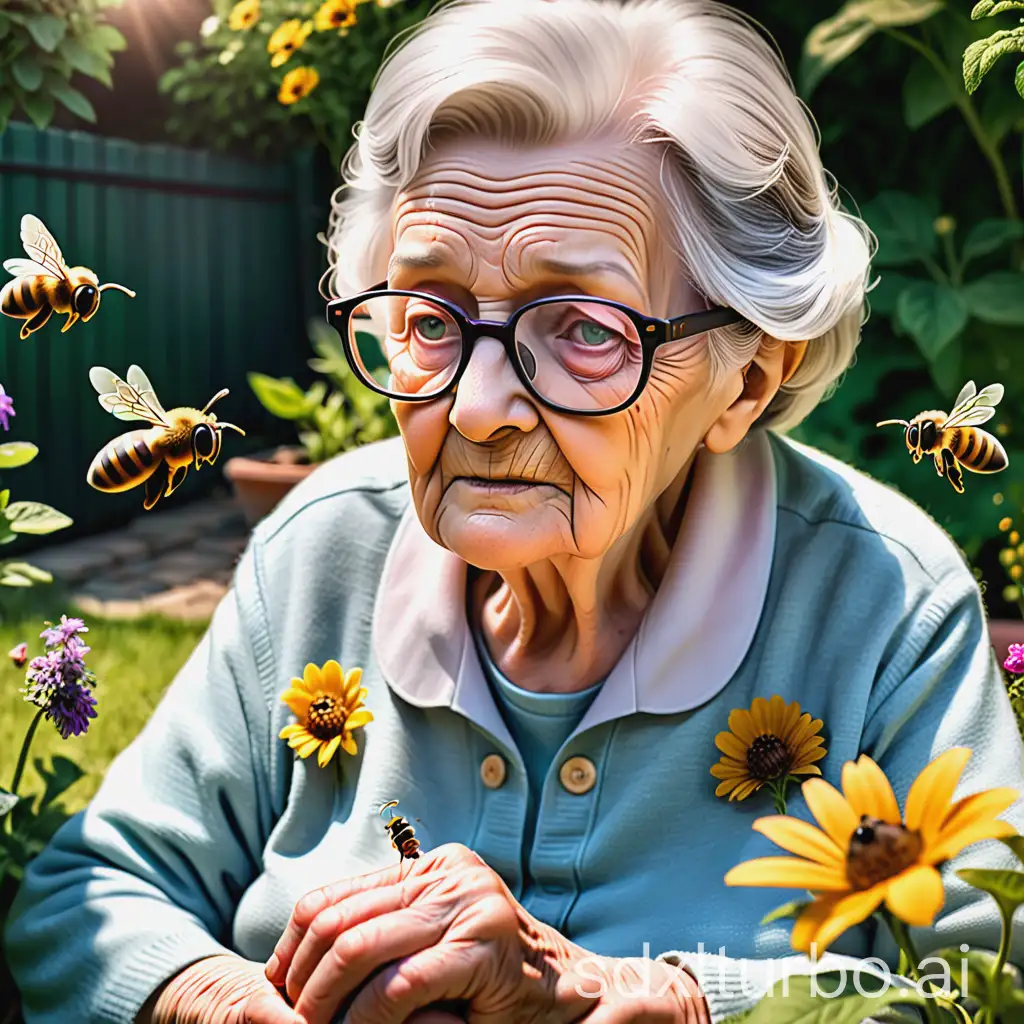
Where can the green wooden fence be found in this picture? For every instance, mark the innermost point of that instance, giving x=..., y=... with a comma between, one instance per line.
x=223, y=257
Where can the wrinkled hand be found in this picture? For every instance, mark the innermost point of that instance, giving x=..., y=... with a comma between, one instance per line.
x=445, y=927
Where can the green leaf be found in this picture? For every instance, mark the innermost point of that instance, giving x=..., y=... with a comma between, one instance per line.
x=109, y=38
x=997, y=298
x=1004, y=884
x=46, y=29
x=35, y=518
x=63, y=775
x=989, y=235
x=17, y=453
x=946, y=371
x=85, y=60
x=802, y=999
x=5, y=497
x=986, y=8
x=1015, y=843
x=932, y=314
x=902, y=224
x=74, y=101
x=39, y=107
x=882, y=298
x=831, y=41
x=925, y=95
x=1018, y=79
x=22, y=574
x=791, y=909
x=27, y=72
x=980, y=57
x=282, y=398
x=7, y=802
x=1001, y=112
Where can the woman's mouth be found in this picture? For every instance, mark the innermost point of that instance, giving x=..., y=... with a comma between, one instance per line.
x=490, y=485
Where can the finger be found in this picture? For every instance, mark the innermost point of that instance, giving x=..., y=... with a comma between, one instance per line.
x=357, y=953
x=314, y=903
x=415, y=982
x=268, y=1009
x=333, y=922
x=434, y=1017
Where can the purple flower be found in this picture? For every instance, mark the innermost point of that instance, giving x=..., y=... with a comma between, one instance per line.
x=6, y=409
x=1015, y=659
x=65, y=631
x=59, y=682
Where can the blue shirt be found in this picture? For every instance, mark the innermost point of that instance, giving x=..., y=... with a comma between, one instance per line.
x=792, y=574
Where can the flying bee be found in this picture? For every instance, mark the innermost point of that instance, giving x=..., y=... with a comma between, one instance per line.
x=158, y=456
x=880, y=850
x=403, y=837
x=45, y=284
x=954, y=441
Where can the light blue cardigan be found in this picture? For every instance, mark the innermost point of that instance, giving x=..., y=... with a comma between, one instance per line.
x=793, y=574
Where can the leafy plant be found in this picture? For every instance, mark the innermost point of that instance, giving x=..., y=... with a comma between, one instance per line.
x=308, y=88
x=981, y=56
x=43, y=45
x=328, y=423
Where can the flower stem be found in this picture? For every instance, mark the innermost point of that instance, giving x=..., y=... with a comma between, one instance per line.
x=1004, y=945
x=901, y=934
x=23, y=756
x=778, y=788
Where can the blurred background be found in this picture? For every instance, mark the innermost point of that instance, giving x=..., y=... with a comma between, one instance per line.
x=188, y=149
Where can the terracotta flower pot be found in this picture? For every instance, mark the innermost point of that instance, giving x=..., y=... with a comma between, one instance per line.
x=1005, y=632
x=260, y=481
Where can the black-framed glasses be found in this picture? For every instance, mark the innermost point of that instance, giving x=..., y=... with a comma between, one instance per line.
x=574, y=353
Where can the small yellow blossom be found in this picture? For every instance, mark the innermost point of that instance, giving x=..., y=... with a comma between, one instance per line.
x=298, y=83
x=1014, y=537
x=1005, y=523
x=244, y=15
x=328, y=705
x=286, y=39
x=335, y=15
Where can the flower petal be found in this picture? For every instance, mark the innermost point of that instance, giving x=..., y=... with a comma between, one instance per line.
x=746, y=788
x=831, y=810
x=729, y=770
x=333, y=680
x=931, y=793
x=295, y=729
x=759, y=715
x=357, y=719
x=305, y=747
x=327, y=751
x=801, y=838
x=869, y=792
x=729, y=744
x=847, y=912
x=311, y=677
x=348, y=744
x=977, y=807
x=742, y=725
x=728, y=786
x=298, y=701
x=808, y=924
x=954, y=842
x=788, y=873
x=916, y=895
x=352, y=680
x=810, y=769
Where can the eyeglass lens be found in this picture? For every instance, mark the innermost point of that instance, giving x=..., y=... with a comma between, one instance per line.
x=577, y=354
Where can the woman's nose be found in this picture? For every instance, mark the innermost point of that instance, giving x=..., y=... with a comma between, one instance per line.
x=489, y=396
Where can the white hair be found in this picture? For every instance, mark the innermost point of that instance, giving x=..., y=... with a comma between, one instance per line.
x=756, y=221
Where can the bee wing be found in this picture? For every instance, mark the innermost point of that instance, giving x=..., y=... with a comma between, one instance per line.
x=122, y=400
x=42, y=246
x=137, y=379
x=967, y=392
x=24, y=268
x=978, y=408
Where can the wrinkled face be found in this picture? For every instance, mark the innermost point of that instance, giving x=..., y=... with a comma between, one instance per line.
x=496, y=477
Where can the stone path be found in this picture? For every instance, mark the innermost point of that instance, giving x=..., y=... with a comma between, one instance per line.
x=176, y=562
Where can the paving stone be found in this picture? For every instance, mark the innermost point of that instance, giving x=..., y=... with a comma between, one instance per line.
x=120, y=590
x=78, y=561
x=190, y=603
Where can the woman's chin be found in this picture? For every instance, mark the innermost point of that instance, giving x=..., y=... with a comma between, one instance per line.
x=500, y=540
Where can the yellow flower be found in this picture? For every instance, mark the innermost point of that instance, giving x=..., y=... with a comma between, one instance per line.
x=328, y=705
x=864, y=853
x=767, y=743
x=244, y=15
x=335, y=14
x=286, y=39
x=297, y=83
x=1014, y=537
x=1005, y=523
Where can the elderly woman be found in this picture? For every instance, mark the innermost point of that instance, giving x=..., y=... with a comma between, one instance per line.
x=589, y=250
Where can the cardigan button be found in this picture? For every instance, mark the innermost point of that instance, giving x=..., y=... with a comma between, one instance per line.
x=492, y=770
x=578, y=775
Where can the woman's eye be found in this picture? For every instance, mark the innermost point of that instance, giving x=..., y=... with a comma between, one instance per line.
x=431, y=328
x=591, y=333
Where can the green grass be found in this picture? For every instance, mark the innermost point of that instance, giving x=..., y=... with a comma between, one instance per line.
x=134, y=661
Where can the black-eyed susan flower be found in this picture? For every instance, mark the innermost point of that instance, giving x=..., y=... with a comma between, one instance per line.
x=864, y=854
x=286, y=39
x=244, y=15
x=337, y=15
x=765, y=746
x=328, y=704
x=299, y=82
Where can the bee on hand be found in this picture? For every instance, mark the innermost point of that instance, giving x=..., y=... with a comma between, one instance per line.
x=45, y=284
x=159, y=455
x=403, y=837
x=955, y=441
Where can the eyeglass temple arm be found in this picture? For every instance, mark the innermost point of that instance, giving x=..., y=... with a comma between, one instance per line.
x=698, y=323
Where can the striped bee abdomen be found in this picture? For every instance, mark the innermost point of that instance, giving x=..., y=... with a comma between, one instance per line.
x=977, y=450
x=22, y=297
x=124, y=463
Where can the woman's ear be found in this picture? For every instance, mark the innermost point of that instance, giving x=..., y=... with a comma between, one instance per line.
x=774, y=364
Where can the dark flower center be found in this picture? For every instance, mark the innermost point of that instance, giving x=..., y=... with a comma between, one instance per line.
x=768, y=758
x=879, y=851
x=326, y=718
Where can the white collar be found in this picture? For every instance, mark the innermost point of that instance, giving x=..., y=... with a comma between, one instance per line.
x=691, y=640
